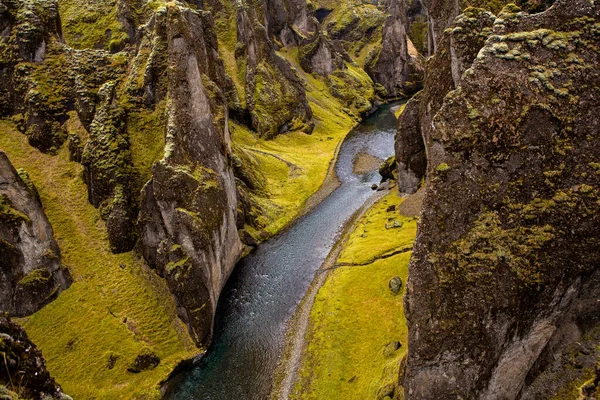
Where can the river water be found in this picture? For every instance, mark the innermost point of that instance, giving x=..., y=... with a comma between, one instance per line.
x=267, y=286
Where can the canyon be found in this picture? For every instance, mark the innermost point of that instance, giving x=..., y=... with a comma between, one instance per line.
x=157, y=158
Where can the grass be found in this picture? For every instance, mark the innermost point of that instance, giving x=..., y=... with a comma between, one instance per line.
x=115, y=307
x=355, y=315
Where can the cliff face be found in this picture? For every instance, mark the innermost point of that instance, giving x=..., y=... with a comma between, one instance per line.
x=504, y=270
x=391, y=65
x=31, y=273
x=457, y=49
x=188, y=215
x=275, y=97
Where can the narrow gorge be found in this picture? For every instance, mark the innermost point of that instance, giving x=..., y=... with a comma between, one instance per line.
x=299, y=199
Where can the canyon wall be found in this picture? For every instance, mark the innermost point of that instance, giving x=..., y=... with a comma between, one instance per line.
x=502, y=287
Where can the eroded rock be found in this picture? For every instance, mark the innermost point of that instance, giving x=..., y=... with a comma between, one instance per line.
x=31, y=273
x=188, y=213
x=508, y=239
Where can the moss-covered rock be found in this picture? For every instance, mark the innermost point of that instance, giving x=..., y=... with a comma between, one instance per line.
x=188, y=214
x=274, y=94
x=508, y=239
x=390, y=63
x=31, y=274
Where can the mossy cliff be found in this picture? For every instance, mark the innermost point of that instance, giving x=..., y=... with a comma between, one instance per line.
x=188, y=215
x=503, y=278
x=391, y=63
x=31, y=273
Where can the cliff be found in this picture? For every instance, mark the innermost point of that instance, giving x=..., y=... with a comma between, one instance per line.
x=31, y=273
x=189, y=207
x=503, y=276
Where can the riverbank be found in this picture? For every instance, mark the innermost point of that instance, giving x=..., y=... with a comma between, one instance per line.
x=332, y=350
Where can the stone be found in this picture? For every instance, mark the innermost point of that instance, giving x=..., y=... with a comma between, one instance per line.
x=31, y=270
x=23, y=365
x=395, y=285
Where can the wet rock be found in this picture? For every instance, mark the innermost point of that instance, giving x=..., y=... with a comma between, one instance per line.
x=31, y=272
x=144, y=362
x=395, y=285
x=374, y=186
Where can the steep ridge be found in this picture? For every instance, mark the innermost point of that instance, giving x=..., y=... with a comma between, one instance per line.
x=31, y=273
x=503, y=280
x=188, y=213
x=24, y=373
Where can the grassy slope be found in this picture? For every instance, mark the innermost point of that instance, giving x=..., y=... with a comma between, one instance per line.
x=345, y=357
x=115, y=305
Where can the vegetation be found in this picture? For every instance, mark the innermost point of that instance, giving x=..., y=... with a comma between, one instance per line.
x=355, y=296
x=116, y=308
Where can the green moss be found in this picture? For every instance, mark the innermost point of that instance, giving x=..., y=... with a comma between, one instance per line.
x=10, y=214
x=108, y=310
x=36, y=277
x=146, y=130
x=488, y=245
x=418, y=34
x=443, y=167
x=92, y=24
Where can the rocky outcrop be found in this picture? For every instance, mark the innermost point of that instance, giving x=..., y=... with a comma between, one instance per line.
x=320, y=57
x=391, y=65
x=441, y=13
x=507, y=253
x=31, y=273
x=275, y=96
x=29, y=31
x=188, y=213
x=289, y=21
x=23, y=368
x=411, y=160
x=459, y=47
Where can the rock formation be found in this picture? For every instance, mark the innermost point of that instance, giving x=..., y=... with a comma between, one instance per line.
x=275, y=97
x=459, y=47
x=23, y=368
x=188, y=215
x=31, y=273
x=505, y=267
x=391, y=65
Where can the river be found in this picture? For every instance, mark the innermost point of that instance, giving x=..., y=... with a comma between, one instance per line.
x=267, y=286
